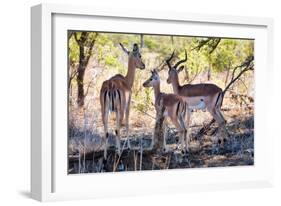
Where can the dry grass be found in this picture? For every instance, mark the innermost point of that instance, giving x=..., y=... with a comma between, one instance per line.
x=86, y=142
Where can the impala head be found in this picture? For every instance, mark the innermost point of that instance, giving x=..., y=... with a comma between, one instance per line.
x=134, y=56
x=174, y=70
x=153, y=79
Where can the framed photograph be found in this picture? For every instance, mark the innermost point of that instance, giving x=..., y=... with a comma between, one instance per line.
x=135, y=102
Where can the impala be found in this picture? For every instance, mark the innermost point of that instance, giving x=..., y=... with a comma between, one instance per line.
x=174, y=107
x=198, y=96
x=115, y=95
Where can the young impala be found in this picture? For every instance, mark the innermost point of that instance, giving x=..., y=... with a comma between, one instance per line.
x=115, y=95
x=174, y=107
x=198, y=96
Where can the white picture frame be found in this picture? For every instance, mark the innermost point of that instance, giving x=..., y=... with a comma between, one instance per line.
x=49, y=179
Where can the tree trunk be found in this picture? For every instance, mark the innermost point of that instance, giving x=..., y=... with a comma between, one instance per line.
x=209, y=72
x=209, y=75
x=80, y=86
x=172, y=40
x=80, y=77
x=142, y=41
x=85, y=50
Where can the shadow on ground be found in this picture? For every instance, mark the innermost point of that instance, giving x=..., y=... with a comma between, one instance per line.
x=238, y=150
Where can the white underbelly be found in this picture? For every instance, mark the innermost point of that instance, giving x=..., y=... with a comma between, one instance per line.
x=196, y=102
x=165, y=114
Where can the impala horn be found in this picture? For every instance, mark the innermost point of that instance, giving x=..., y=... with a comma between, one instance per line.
x=169, y=59
x=181, y=61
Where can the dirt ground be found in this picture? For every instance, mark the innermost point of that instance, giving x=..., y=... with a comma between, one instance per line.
x=85, y=151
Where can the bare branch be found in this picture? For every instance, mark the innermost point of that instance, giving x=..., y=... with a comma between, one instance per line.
x=90, y=47
x=201, y=44
x=161, y=66
x=194, y=76
x=88, y=86
x=215, y=45
x=237, y=77
x=210, y=42
x=71, y=77
x=248, y=65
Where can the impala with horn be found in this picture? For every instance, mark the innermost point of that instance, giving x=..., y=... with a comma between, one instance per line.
x=174, y=107
x=115, y=96
x=198, y=96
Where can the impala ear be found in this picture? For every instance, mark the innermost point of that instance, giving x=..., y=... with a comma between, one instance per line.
x=135, y=48
x=156, y=73
x=180, y=69
x=124, y=49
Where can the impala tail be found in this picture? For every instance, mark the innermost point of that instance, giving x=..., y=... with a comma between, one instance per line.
x=182, y=109
x=219, y=100
x=112, y=100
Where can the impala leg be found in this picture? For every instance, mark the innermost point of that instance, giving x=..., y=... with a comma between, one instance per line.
x=127, y=113
x=218, y=120
x=121, y=116
x=118, y=141
x=222, y=124
x=118, y=118
x=187, y=122
x=218, y=111
x=221, y=121
x=180, y=130
x=105, y=124
x=185, y=140
x=165, y=135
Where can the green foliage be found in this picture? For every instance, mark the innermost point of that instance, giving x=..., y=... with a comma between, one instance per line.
x=110, y=60
x=143, y=99
x=229, y=52
x=108, y=55
x=150, y=43
x=73, y=50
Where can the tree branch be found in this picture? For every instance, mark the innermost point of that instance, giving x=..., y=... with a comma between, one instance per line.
x=210, y=42
x=215, y=45
x=71, y=77
x=91, y=45
x=201, y=44
x=248, y=64
x=194, y=76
